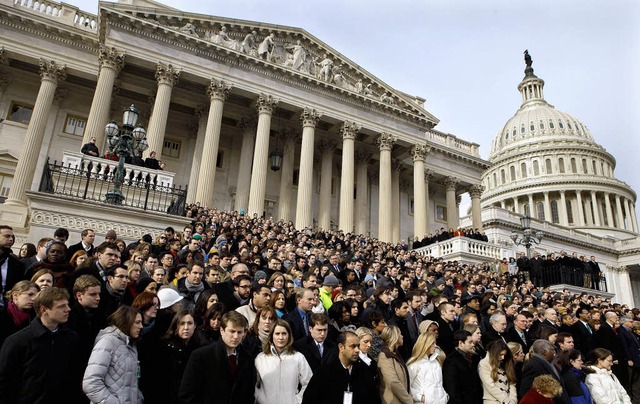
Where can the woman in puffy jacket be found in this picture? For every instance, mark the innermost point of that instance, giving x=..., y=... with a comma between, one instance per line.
x=498, y=375
x=604, y=386
x=112, y=373
x=425, y=372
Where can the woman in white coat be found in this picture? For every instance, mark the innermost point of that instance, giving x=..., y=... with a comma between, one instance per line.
x=604, y=386
x=498, y=375
x=281, y=369
x=425, y=372
x=112, y=373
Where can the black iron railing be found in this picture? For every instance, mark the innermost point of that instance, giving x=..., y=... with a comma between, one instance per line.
x=91, y=182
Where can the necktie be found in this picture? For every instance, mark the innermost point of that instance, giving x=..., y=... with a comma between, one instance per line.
x=233, y=364
x=523, y=338
x=320, y=349
x=306, y=324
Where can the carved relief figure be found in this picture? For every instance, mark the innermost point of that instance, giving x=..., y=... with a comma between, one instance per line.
x=387, y=98
x=265, y=50
x=190, y=29
x=299, y=54
x=368, y=91
x=359, y=88
x=250, y=44
x=222, y=38
x=326, y=65
x=338, y=78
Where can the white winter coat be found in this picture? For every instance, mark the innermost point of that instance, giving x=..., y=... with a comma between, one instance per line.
x=605, y=387
x=425, y=377
x=111, y=376
x=279, y=376
x=500, y=392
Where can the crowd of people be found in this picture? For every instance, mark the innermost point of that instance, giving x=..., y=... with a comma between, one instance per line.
x=239, y=309
x=151, y=162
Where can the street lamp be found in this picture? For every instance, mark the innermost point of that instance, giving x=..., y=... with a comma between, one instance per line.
x=527, y=237
x=125, y=143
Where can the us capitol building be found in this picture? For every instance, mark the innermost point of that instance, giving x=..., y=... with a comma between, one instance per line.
x=269, y=120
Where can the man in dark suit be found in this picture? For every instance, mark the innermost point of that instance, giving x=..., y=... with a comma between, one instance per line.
x=222, y=372
x=535, y=269
x=595, y=273
x=460, y=371
x=86, y=244
x=518, y=333
x=233, y=292
x=108, y=255
x=540, y=363
x=298, y=318
x=315, y=347
x=41, y=253
x=496, y=329
x=582, y=332
x=607, y=337
x=330, y=381
x=11, y=269
x=630, y=355
x=446, y=327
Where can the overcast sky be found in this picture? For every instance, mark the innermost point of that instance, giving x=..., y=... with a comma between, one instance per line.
x=465, y=57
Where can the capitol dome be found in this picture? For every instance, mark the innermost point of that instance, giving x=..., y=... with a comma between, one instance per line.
x=545, y=163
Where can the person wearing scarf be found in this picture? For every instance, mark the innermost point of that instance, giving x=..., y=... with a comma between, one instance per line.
x=394, y=374
x=18, y=311
x=192, y=285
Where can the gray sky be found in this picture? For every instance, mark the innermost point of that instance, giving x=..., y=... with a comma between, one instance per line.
x=465, y=57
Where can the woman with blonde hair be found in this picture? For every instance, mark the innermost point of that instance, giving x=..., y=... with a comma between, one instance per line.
x=281, y=369
x=498, y=374
x=18, y=311
x=394, y=375
x=425, y=372
x=518, y=360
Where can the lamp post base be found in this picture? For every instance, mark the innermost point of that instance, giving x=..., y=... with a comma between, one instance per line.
x=114, y=197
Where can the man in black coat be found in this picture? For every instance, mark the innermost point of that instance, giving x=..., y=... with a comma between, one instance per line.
x=298, y=318
x=11, y=269
x=535, y=269
x=223, y=372
x=607, y=337
x=317, y=342
x=583, y=334
x=236, y=291
x=107, y=255
x=460, y=371
x=446, y=327
x=86, y=244
x=345, y=374
x=85, y=318
x=518, y=333
x=540, y=364
x=39, y=363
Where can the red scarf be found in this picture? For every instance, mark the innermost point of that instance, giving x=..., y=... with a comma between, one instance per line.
x=20, y=318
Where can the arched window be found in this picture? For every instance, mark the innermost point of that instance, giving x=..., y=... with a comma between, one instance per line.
x=512, y=173
x=574, y=168
x=540, y=209
x=569, y=212
x=536, y=168
x=561, y=165
x=547, y=163
x=560, y=124
x=555, y=217
x=551, y=125
x=541, y=125
x=527, y=209
x=503, y=177
x=595, y=168
x=585, y=168
x=523, y=170
x=495, y=179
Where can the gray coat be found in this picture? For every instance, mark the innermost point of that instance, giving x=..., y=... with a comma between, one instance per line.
x=112, y=372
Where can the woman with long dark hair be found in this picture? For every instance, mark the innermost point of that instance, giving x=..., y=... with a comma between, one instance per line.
x=112, y=372
x=498, y=375
x=603, y=385
x=570, y=363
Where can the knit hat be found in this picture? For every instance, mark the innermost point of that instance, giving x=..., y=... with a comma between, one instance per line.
x=330, y=281
x=168, y=297
x=369, y=278
x=260, y=275
x=440, y=282
x=142, y=284
x=111, y=234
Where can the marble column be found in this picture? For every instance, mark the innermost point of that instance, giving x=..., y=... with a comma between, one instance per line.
x=634, y=220
x=607, y=203
x=202, y=113
x=532, y=207
x=218, y=92
x=562, y=209
x=290, y=137
x=451, y=183
x=5, y=80
x=629, y=225
x=111, y=62
x=580, y=208
x=418, y=154
x=266, y=105
x=428, y=176
x=476, y=213
x=396, y=169
x=516, y=205
x=503, y=204
x=248, y=126
x=362, y=192
x=304, y=207
x=349, y=132
x=51, y=75
x=619, y=213
x=385, y=143
x=167, y=76
x=326, y=176
x=596, y=213
x=547, y=208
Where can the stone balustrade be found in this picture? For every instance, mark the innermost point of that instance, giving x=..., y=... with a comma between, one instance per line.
x=465, y=249
x=453, y=142
x=103, y=168
x=60, y=12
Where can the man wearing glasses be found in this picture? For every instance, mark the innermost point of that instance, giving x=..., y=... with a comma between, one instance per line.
x=114, y=291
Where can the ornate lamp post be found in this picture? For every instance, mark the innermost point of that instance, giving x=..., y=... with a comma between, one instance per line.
x=125, y=143
x=527, y=237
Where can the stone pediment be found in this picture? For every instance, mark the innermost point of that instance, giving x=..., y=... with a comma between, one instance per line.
x=291, y=49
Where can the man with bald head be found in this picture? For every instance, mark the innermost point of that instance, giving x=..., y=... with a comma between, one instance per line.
x=540, y=363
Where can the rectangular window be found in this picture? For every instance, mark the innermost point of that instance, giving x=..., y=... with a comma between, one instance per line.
x=171, y=148
x=20, y=112
x=5, y=185
x=219, y=159
x=441, y=213
x=75, y=125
